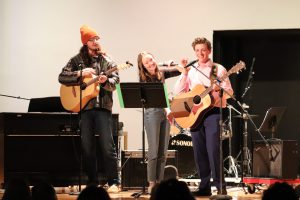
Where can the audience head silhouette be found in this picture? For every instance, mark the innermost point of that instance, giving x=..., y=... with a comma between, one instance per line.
x=17, y=189
x=280, y=191
x=93, y=192
x=171, y=189
x=43, y=191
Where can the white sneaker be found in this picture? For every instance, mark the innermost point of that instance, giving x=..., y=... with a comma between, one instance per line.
x=113, y=189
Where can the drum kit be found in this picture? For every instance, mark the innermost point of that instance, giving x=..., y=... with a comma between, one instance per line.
x=181, y=141
x=245, y=154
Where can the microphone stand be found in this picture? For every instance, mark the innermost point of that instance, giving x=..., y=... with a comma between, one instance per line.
x=246, y=116
x=81, y=87
x=245, y=113
x=221, y=196
x=80, y=118
x=218, y=196
x=15, y=97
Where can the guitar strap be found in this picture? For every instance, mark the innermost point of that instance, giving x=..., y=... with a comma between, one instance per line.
x=213, y=73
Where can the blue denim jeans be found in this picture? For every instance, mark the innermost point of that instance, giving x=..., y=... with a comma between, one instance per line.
x=158, y=133
x=98, y=121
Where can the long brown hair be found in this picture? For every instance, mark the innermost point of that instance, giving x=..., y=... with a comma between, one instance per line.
x=84, y=53
x=144, y=75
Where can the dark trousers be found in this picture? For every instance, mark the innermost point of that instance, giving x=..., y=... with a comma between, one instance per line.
x=206, y=141
x=98, y=122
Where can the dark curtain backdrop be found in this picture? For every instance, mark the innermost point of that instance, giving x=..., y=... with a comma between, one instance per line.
x=275, y=59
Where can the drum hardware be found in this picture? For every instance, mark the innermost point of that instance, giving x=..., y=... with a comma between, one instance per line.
x=226, y=131
x=245, y=152
x=232, y=163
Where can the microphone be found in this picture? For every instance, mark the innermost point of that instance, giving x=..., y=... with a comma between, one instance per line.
x=166, y=64
x=80, y=65
x=83, y=85
x=250, y=78
x=191, y=63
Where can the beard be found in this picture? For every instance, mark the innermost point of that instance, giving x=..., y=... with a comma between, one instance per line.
x=94, y=48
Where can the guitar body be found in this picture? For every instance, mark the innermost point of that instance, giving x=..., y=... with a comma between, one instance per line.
x=192, y=118
x=188, y=108
x=70, y=95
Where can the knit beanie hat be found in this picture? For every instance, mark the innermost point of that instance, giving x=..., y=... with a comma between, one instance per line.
x=87, y=33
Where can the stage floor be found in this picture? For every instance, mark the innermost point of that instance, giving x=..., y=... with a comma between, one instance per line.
x=235, y=192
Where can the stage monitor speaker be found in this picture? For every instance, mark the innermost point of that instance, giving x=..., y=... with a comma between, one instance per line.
x=133, y=171
x=280, y=162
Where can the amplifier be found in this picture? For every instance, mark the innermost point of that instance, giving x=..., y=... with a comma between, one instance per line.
x=134, y=172
x=38, y=123
x=42, y=146
x=44, y=123
x=280, y=162
x=55, y=159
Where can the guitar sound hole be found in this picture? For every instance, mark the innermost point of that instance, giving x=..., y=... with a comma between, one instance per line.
x=197, y=99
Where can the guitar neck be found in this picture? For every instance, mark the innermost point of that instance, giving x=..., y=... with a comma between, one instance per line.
x=108, y=72
x=206, y=92
x=95, y=79
x=209, y=89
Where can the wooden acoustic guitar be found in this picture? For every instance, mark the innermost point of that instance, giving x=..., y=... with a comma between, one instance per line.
x=188, y=108
x=70, y=95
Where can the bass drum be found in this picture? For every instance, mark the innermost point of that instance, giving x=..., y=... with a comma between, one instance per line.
x=182, y=142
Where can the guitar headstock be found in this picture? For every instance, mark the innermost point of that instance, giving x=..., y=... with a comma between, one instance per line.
x=124, y=65
x=237, y=68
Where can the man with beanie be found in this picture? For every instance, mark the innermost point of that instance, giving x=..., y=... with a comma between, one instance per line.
x=96, y=116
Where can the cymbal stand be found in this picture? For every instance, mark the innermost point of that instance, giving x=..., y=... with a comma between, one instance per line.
x=246, y=155
x=232, y=164
x=245, y=152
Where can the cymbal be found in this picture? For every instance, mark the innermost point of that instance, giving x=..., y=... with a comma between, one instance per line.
x=244, y=116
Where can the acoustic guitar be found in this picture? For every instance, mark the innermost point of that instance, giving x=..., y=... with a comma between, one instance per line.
x=188, y=108
x=70, y=95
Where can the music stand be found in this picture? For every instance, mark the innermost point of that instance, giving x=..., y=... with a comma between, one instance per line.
x=271, y=120
x=142, y=95
x=46, y=104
